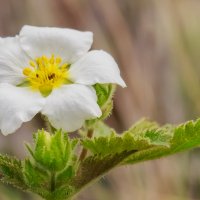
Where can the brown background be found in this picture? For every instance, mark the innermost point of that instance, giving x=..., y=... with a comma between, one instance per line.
x=157, y=46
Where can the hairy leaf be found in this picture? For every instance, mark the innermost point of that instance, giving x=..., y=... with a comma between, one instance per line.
x=184, y=137
x=142, y=135
x=11, y=172
x=94, y=166
x=51, y=151
x=35, y=176
x=104, y=93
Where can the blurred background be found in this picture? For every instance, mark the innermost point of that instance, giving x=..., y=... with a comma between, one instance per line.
x=157, y=46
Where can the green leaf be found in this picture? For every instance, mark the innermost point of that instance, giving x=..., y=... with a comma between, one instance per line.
x=110, y=149
x=35, y=176
x=141, y=136
x=52, y=165
x=62, y=193
x=53, y=152
x=151, y=132
x=184, y=137
x=101, y=129
x=11, y=172
x=54, y=172
x=64, y=176
x=94, y=166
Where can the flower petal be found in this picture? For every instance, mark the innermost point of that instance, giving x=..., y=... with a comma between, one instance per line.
x=96, y=67
x=69, y=106
x=12, y=61
x=17, y=105
x=69, y=44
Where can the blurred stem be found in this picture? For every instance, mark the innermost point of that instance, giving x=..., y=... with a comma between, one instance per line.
x=48, y=125
x=84, y=151
x=53, y=181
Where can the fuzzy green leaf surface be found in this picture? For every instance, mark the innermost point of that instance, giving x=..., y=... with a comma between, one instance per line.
x=51, y=152
x=104, y=93
x=51, y=166
x=110, y=149
x=184, y=137
x=144, y=141
x=142, y=135
x=54, y=171
x=11, y=171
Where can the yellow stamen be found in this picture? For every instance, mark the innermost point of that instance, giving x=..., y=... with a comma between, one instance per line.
x=32, y=64
x=26, y=71
x=45, y=74
x=58, y=60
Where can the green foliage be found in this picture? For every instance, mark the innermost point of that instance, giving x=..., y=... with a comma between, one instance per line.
x=105, y=94
x=101, y=129
x=95, y=166
x=11, y=172
x=52, y=152
x=50, y=169
x=184, y=137
x=35, y=175
x=141, y=136
x=110, y=149
x=65, y=175
x=144, y=141
x=54, y=171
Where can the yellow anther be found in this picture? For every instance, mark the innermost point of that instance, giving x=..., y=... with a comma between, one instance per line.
x=37, y=60
x=65, y=66
x=46, y=74
x=27, y=71
x=32, y=64
x=58, y=60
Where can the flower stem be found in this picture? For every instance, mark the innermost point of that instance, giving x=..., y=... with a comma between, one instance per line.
x=48, y=125
x=84, y=150
x=53, y=181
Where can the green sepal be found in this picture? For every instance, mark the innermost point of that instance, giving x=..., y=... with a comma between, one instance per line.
x=52, y=165
x=104, y=93
x=53, y=152
x=64, y=176
x=35, y=176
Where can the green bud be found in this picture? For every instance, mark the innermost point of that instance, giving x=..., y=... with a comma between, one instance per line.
x=104, y=93
x=35, y=176
x=104, y=99
x=53, y=152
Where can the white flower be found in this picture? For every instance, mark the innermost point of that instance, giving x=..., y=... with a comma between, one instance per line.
x=50, y=70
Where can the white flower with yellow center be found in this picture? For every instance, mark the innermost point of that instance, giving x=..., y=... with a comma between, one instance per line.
x=50, y=70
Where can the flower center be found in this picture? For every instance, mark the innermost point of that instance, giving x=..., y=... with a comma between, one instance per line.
x=45, y=74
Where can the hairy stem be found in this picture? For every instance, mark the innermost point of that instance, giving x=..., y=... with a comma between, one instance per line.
x=48, y=125
x=84, y=150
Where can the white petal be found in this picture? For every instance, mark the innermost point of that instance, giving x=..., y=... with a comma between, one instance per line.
x=1, y=41
x=69, y=106
x=96, y=67
x=69, y=44
x=17, y=105
x=12, y=61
